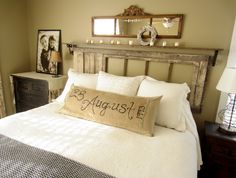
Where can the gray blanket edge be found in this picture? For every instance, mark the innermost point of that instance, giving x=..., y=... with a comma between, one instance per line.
x=21, y=160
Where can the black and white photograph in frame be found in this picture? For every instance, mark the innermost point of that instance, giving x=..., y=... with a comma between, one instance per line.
x=48, y=41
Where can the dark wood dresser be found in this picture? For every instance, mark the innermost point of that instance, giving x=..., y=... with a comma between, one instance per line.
x=220, y=158
x=31, y=89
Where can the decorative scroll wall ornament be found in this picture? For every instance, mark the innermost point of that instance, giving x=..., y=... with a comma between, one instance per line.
x=133, y=11
x=150, y=29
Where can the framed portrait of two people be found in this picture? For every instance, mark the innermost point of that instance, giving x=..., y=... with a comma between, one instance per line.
x=48, y=42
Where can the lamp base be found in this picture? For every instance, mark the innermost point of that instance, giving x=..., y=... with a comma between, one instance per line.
x=226, y=130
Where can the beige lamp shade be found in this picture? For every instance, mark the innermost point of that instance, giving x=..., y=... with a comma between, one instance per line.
x=55, y=56
x=227, y=82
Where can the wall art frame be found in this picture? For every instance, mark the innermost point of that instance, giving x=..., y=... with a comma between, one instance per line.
x=48, y=40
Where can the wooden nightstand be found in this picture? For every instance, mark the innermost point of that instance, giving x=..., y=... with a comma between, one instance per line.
x=220, y=158
x=31, y=89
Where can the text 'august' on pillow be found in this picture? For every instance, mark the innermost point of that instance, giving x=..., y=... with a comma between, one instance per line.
x=130, y=112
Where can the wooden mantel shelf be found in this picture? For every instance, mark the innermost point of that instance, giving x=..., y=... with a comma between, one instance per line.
x=212, y=52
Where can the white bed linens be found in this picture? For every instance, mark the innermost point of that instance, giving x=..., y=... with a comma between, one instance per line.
x=115, y=151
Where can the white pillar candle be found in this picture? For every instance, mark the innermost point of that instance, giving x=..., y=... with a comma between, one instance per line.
x=118, y=42
x=164, y=43
x=176, y=43
x=130, y=42
x=112, y=42
x=101, y=41
x=91, y=41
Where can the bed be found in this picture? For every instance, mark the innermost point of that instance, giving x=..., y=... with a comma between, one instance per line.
x=107, y=150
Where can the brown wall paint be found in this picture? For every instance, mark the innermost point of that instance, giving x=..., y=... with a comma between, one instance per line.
x=14, y=54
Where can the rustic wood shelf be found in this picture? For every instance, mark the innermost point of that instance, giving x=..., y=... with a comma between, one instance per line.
x=212, y=52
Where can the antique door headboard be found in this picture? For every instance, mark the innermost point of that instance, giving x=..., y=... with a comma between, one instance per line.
x=92, y=58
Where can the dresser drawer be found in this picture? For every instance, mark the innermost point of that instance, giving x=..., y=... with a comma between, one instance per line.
x=222, y=147
x=30, y=93
x=220, y=155
x=222, y=152
x=26, y=85
x=24, y=106
x=37, y=100
x=32, y=89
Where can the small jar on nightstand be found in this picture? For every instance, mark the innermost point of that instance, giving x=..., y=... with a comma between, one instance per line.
x=220, y=158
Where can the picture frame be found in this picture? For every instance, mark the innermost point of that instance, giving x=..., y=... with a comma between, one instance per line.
x=47, y=41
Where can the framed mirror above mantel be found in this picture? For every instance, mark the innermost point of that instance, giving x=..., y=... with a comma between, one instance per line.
x=132, y=20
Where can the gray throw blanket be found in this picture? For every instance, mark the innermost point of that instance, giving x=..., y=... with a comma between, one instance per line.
x=18, y=160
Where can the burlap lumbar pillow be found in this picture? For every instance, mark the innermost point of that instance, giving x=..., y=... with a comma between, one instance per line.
x=130, y=112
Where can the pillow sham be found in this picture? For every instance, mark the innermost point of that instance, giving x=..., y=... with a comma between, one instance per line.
x=79, y=79
x=118, y=84
x=169, y=112
x=129, y=112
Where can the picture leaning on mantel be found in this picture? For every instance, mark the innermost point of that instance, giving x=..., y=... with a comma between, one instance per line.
x=133, y=19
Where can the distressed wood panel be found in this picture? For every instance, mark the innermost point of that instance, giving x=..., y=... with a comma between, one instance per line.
x=100, y=63
x=170, y=71
x=92, y=58
x=78, y=61
x=146, y=67
x=86, y=62
x=201, y=80
x=125, y=67
x=89, y=64
x=2, y=101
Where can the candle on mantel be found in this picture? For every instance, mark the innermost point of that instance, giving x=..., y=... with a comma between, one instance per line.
x=164, y=43
x=151, y=43
x=176, y=44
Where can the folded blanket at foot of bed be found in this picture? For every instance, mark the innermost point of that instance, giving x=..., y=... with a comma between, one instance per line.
x=20, y=160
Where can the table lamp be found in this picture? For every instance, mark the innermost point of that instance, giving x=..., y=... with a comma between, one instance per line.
x=227, y=84
x=55, y=57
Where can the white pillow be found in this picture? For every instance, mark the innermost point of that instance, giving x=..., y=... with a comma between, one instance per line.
x=79, y=79
x=170, y=107
x=118, y=84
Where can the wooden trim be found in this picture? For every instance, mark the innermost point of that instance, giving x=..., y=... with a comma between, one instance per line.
x=133, y=11
x=2, y=101
x=211, y=52
x=170, y=69
x=146, y=67
x=125, y=67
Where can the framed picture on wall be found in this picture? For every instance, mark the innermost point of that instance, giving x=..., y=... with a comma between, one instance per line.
x=48, y=42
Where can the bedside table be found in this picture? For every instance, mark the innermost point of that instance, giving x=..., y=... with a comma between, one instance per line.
x=31, y=89
x=220, y=153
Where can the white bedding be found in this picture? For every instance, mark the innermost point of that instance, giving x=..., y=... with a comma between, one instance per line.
x=115, y=151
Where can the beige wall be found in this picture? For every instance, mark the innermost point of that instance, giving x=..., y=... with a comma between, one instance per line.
x=207, y=23
x=14, y=54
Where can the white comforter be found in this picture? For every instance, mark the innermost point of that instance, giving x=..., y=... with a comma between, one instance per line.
x=118, y=152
